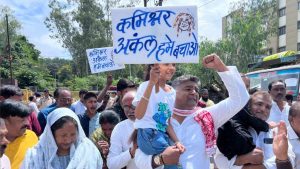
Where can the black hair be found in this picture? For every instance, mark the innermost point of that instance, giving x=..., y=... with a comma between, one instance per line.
x=8, y=91
x=109, y=116
x=289, y=97
x=31, y=98
x=106, y=97
x=147, y=72
x=37, y=94
x=294, y=110
x=13, y=108
x=184, y=78
x=83, y=91
x=57, y=91
x=259, y=92
x=60, y=122
x=203, y=90
x=89, y=95
x=275, y=81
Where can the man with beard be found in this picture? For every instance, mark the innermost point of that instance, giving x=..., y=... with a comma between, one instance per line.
x=4, y=161
x=280, y=108
x=121, y=152
x=16, y=115
x=195, y=127
x=204, y=98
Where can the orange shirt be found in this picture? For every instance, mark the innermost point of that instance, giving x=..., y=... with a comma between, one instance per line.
x=16, y=150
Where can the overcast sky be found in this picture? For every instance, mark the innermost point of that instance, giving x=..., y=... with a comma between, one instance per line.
x=32, y=14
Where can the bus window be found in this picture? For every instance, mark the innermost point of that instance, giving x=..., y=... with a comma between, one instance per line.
x=262, y=80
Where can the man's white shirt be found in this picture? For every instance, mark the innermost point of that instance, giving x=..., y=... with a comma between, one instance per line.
x=276, y=114
x=269, y=158
x=189, y=131
x=295, y=142
x=119, y=156
x=78, y=107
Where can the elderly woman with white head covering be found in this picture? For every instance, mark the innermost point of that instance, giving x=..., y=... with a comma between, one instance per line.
x=63, y=145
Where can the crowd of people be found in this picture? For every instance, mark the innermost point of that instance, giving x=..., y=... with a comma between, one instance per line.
x=155, y=124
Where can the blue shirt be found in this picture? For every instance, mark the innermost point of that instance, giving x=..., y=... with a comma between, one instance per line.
x=89, y=125
x=43, y=114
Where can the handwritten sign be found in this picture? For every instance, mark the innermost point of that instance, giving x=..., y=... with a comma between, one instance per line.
x=101, y=60
x=155, y=35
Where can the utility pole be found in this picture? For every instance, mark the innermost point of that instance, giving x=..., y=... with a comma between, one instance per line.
x=145, y=3
x=157, y=3
x=8, y=50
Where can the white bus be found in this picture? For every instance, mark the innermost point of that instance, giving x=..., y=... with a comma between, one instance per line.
x=289, y=74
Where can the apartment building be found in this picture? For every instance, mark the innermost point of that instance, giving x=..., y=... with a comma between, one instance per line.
x=288, y=36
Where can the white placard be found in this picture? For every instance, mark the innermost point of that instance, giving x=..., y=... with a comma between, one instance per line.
x=101, y=60
x=155, y=35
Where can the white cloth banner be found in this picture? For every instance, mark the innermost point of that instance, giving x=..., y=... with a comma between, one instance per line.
x=101, y=60
x=155, y=35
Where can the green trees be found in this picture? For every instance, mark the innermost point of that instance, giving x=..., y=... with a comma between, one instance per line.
x=82, y=24
x=250, y=25
x=79, y=25
x=253, y=22
x=25, y=57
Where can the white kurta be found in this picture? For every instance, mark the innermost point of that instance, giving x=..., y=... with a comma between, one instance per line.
x=269, y=158
x=276, y=114
x=189, y=131
x=295, y=142
x=119, y=156
x=78, y=107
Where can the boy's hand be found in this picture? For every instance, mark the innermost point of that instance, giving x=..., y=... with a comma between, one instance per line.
x=213, y=61
x=180, y=147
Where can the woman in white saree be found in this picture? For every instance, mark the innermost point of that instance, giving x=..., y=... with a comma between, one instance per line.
x=63, y=145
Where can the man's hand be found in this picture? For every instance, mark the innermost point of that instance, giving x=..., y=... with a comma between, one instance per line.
x=171, y=155
x=280, y=142
x=254, y=157
x=213, y=61
x=109, y=79
x=104, y=147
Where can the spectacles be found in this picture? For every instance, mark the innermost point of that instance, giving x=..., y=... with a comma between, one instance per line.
x=65, y=99
x=127, y=107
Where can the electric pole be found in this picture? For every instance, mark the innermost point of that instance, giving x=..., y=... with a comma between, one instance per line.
x=8, y=50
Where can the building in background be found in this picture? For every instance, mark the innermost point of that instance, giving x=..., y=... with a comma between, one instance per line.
x=288, y=35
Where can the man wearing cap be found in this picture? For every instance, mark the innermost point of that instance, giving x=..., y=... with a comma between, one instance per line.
x=46, y=100
x=123, y=86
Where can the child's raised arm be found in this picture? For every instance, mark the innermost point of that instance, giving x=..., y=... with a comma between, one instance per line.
x=143, y=103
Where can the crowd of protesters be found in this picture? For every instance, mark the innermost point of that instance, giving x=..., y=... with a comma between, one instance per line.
x=154, y=124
